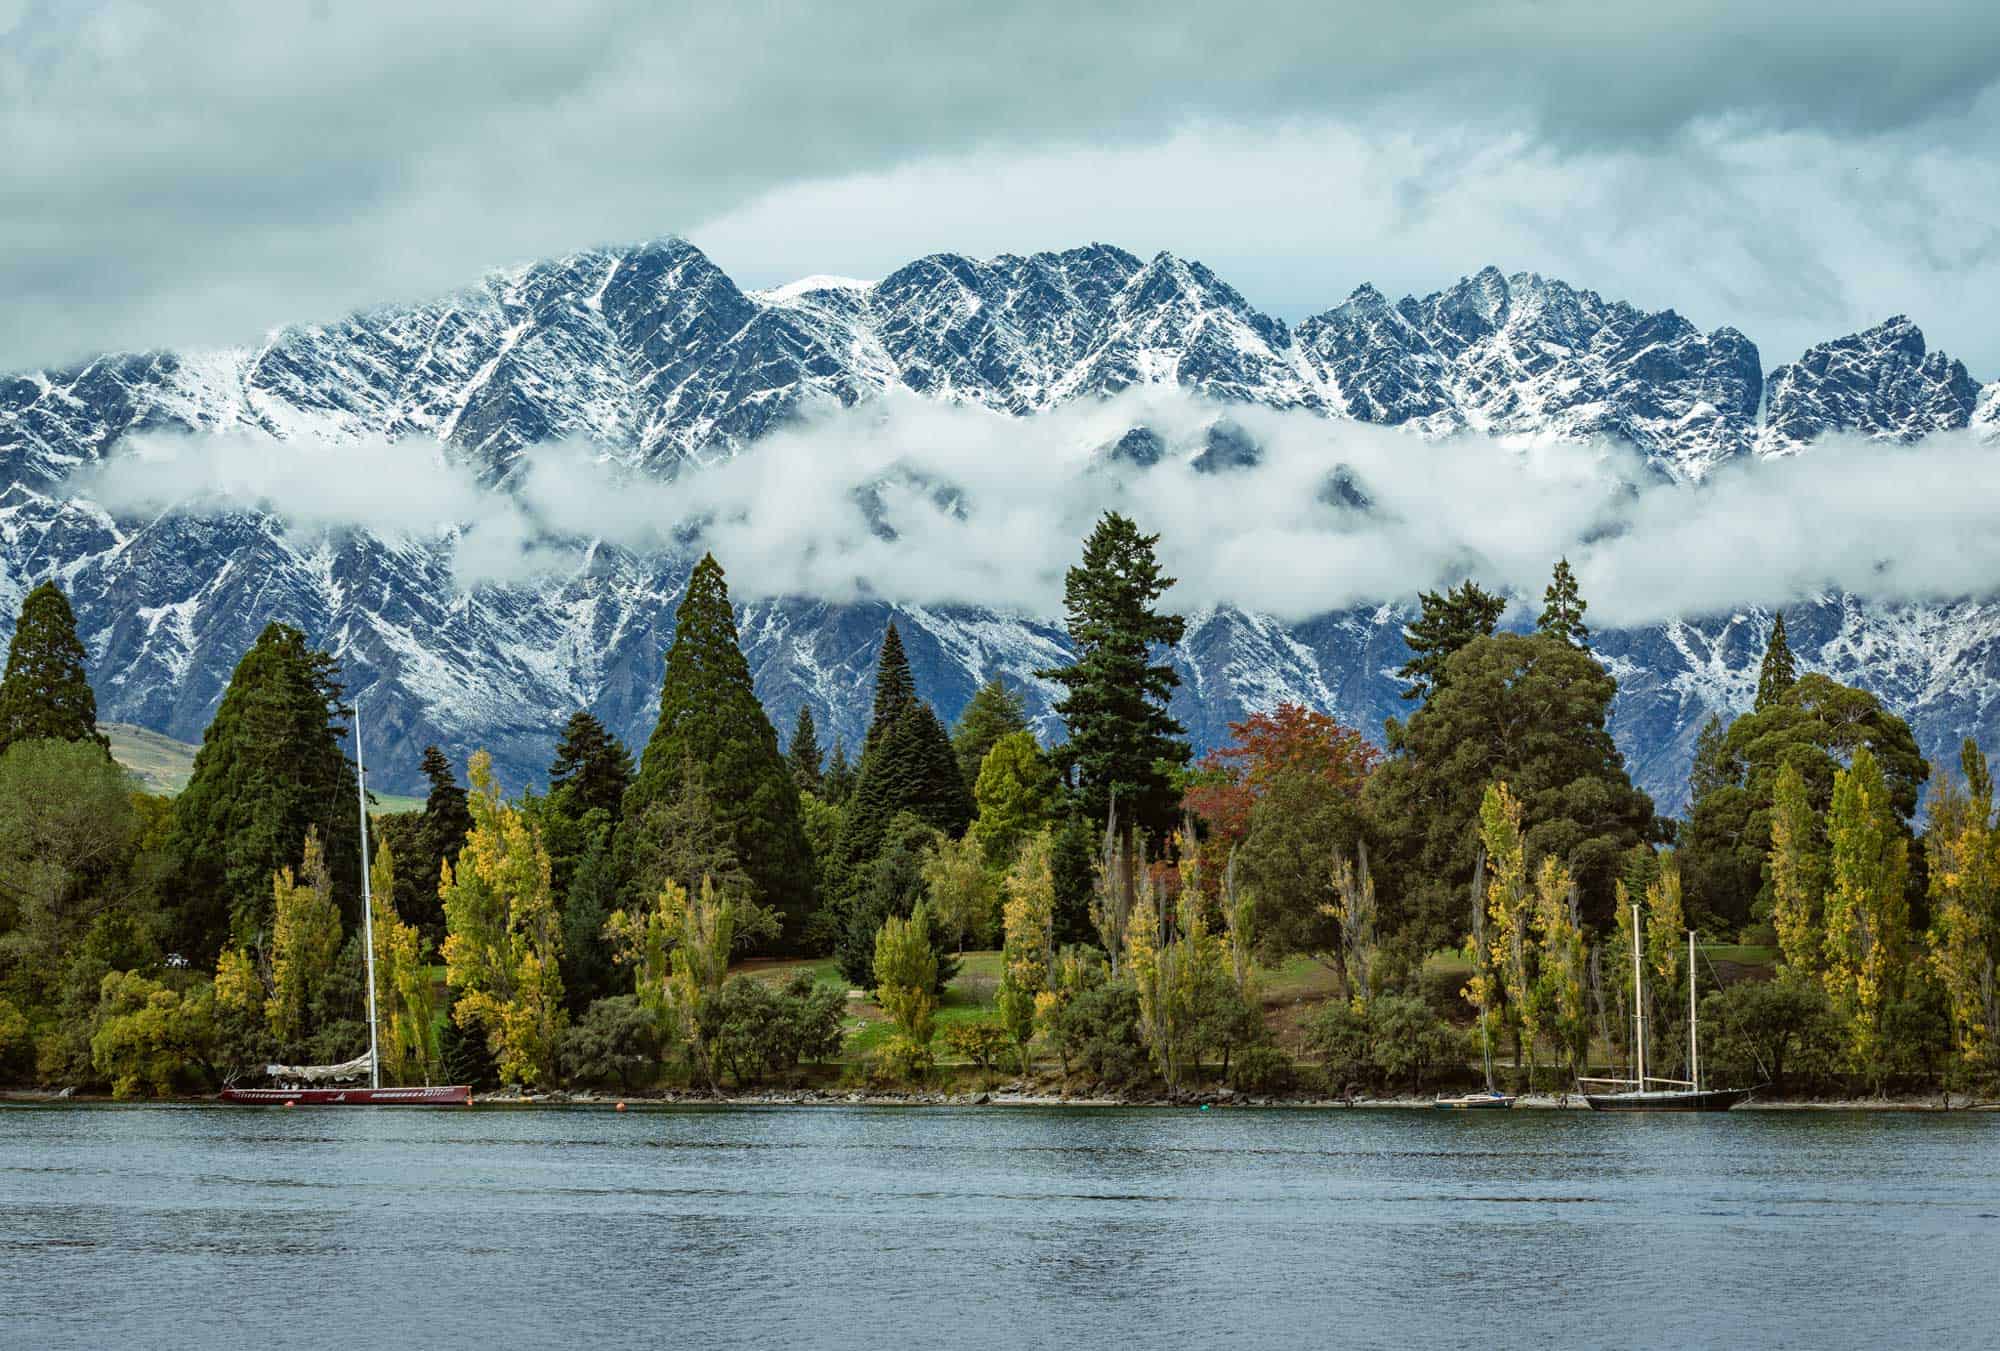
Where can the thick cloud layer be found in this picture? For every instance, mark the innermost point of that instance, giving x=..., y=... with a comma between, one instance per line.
x=923, y=503
x=190, y=174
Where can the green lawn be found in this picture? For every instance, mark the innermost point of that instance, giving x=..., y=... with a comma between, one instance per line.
x=968, y=998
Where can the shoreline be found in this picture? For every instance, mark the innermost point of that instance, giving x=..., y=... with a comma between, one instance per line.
x=1003, y=1098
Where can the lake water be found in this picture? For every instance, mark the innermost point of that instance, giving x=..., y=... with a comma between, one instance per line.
x=995, y=1227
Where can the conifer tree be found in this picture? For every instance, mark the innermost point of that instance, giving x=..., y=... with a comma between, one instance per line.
x=804, y=753
x=1778, y=673
x=591, y=766
x=271, y=766
x=1447, y=623
x=895, y=686
x=46, y=695
x=710, y=716
x=1122, y=740
x=837, y=784
x=1562, y=608
x=993, y=712
x=908, y=766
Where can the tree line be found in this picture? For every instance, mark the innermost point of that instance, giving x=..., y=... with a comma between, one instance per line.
x=1467, y=878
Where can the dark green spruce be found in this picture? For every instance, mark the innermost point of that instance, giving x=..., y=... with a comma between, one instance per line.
x=1562, y=608
x=710, y=717
x=1778, y=673
x=1448, y=622
x=1122, y=740
x=994, y=711
x=46, y=695
x=591, y=767
x=272, y=765
x=805, y=755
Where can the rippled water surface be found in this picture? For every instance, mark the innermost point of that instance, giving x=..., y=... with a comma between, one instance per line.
x=884, y=1227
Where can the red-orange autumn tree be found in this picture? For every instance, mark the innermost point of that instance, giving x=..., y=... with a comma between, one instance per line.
x=1229, y=781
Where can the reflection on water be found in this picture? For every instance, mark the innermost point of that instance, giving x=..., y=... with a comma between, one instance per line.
x=209, y=1226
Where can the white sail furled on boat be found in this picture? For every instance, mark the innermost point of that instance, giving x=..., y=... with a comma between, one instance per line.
x=322, y=1074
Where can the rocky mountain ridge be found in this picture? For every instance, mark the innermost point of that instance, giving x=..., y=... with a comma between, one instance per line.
x=656, y=358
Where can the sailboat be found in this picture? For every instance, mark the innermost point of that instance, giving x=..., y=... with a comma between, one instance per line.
x=1677, y=1095
x=319, y=1084
x=1492, y=1098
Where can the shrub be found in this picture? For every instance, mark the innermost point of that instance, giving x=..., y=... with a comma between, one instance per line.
x=1097, y=1032
x=1260, y=1069
x=758, y=1031
x=1396, y=1039
x=152, y=1039
x=1338, y=1036
x=981, y=1042
x=616, y=1041
x=899, y=1060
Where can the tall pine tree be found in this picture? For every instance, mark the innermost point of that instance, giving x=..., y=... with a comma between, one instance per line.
x=1778, y=673
x=1448, y=622
x=46, y=696
x=710, y=716
x=272, y=766
x=907, y=766
x=1122, y=741
x=838, y=780
x=993, y=712
x=895, y=687
x=1562, y=608
x=591, y=766
x=804, y=753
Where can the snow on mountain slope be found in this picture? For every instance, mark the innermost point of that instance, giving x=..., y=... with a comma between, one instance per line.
x=657, y=359
x=1882, y=382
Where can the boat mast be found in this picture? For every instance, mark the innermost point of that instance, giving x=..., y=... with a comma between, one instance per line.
x=367, y=904
x=1694, y=1045
x=1638, y=999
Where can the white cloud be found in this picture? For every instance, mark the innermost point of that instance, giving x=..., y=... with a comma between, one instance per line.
x=918, y=502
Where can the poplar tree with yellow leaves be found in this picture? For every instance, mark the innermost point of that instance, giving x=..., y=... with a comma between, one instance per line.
x=906, y=974
x=503, y=935
x=305, y=942
x=1174, y=974
x=1027, y=955
x=406, y=1005
x=1510, y=905
x=678, y=950
x=1962, y=845
x=1666, y=949
x=1867, y=911
x=1353, y=907
x=1562, y=963
x=1798, y=876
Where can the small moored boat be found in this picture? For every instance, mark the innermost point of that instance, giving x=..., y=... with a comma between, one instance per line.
x=1679, y=1095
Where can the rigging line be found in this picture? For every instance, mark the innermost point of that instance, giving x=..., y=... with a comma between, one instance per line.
x=1763, y=1070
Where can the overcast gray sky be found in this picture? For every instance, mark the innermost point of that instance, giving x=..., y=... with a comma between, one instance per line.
x=196, y=173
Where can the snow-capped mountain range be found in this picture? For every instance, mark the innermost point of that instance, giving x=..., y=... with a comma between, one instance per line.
x=656, y=358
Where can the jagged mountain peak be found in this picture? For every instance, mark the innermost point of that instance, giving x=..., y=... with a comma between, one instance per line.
x=1883, y=382
x=654, y=354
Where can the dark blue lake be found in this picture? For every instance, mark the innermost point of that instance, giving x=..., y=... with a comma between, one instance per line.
x=994, y=1227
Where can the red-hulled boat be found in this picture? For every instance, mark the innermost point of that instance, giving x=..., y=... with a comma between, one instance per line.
x=439, y=1095
x=330, y=1095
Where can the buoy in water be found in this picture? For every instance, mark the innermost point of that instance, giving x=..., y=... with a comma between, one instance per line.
x=621, y=1106
x=290, y=1103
